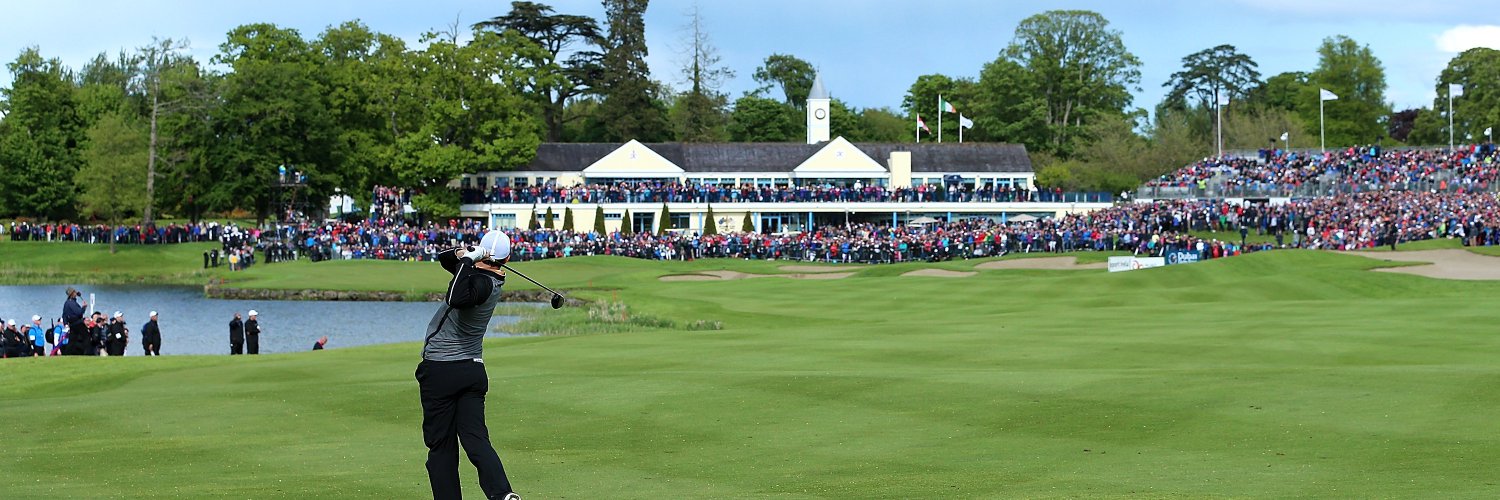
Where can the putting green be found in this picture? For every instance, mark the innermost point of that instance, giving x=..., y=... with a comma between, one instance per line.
x=1282, y=374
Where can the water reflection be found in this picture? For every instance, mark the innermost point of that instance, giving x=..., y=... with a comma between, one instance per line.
x=192, y=324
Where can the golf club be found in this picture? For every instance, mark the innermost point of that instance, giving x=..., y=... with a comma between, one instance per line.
x=557, y=298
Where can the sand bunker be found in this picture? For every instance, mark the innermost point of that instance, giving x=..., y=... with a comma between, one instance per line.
x=736, y=275
x=817, y=269
x=1054, y=263
x=1446, y=264
x=940, y=273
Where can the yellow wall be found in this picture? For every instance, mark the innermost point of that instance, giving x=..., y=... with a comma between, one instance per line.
x=900, y=166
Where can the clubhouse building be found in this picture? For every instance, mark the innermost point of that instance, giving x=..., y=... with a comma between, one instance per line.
x=822, y=161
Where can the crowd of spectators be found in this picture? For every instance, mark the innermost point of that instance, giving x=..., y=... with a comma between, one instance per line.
x=150, y=234
x=1351, y=170
x=694, y=192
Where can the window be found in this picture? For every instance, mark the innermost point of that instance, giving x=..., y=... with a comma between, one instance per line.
x=502, y=221
x=681, y=221
x=464, y=183
x=483, y=181
x=521, y=182
x=613, y=216
x=642, y=222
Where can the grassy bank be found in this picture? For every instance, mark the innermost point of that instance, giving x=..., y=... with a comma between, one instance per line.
x=1283, y=374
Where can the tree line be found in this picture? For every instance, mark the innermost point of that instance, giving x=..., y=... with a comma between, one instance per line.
x=151, y=130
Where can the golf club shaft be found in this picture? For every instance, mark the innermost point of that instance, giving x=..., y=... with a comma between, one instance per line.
x=528, y=278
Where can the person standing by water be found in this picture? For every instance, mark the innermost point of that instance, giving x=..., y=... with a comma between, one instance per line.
x=119, y=336
x=236, y=335
x=252, y=334
x=72, y=317
x=151, y=337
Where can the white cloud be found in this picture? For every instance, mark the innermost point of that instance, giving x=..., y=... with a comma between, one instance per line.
x=1464, y=37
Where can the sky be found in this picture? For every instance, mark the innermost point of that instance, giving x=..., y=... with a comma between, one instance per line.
x=868, y=51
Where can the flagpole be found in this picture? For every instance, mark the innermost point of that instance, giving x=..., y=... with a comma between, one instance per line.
x=918, y=116
x=960, y=129
x=1219, y=106
x=1450, y=118
x=1322, y=138
x=940, y=118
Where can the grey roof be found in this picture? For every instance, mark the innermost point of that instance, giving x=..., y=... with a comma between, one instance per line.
x=817, y=92
x=736, y=157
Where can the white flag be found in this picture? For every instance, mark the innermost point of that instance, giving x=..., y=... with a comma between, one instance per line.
x=965, y=122
x=1283, y=136
x=1223, y=97
x=1328, y=96
x=1487, y=131
x=1455, y=90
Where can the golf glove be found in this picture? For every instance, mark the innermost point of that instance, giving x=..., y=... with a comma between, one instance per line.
x=475, y=254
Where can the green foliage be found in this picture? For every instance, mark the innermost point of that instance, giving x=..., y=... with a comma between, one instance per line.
x=1478, y=70
x=41, y=140
x=1351, y=72
x=922, y=98
x=440, y=203
x=567, y=224
x=748, y=223
x=626, y=224
x=1220, y=70
x=1283, y=91
x=664, y=222
x=599, y=227
x=757, y=119
x=113, y=179
x=555, y=34
x=793, y=75
x=884, y=125
x=531, y=223
x=631, y=107
x=1077, y=71
x=548, y=221
x=710, y=226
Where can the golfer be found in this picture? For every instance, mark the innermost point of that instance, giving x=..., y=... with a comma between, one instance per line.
x=452, y=377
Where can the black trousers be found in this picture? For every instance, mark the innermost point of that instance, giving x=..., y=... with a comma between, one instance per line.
x=453, y=411
x=236, y=348
x=252, y=344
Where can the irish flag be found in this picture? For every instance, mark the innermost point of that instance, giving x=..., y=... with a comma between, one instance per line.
x=945, y=106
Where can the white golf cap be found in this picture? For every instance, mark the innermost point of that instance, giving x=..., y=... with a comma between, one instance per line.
x=36, y=317
x=119, y=314
x=10, y=322
x=252, y=312
x=497, y=243
x=153, y=313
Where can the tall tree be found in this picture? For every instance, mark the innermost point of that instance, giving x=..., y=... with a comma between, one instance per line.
x=1210, y=72
x=571, y=50
x=113, y=179
x=883, y=125
x=273, y=114
x=1011, y=109
x=700, y=111
x=1477, y=70
x=793, y=75
x=1351, y=72
x=1080, y=69
x=631, y=107
x=1283, y=91
x=473, y=116
x=757, y=119
x=922, y=98
x=41, y=139
x=156, y=59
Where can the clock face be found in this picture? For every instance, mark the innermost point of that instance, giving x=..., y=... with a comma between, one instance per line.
x=820, y=114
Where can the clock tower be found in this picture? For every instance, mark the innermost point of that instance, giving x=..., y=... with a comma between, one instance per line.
x=817, y=112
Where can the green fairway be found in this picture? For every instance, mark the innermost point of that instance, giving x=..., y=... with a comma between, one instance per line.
x=1281, y=374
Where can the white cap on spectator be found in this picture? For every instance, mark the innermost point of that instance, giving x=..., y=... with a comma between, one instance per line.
x=153, y=314
x=119, y=314
x=10, y=322
x=36, y=317
x=252, y=312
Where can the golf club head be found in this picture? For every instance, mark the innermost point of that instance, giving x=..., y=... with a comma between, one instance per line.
x=557, y=301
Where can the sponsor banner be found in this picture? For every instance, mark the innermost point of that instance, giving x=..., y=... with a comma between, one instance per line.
x=1127, y=263
x=1182, y=257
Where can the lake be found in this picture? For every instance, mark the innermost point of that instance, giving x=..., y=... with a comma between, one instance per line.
x=193, y=324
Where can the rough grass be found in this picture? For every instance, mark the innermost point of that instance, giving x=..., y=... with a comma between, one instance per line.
x=1281, y=374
